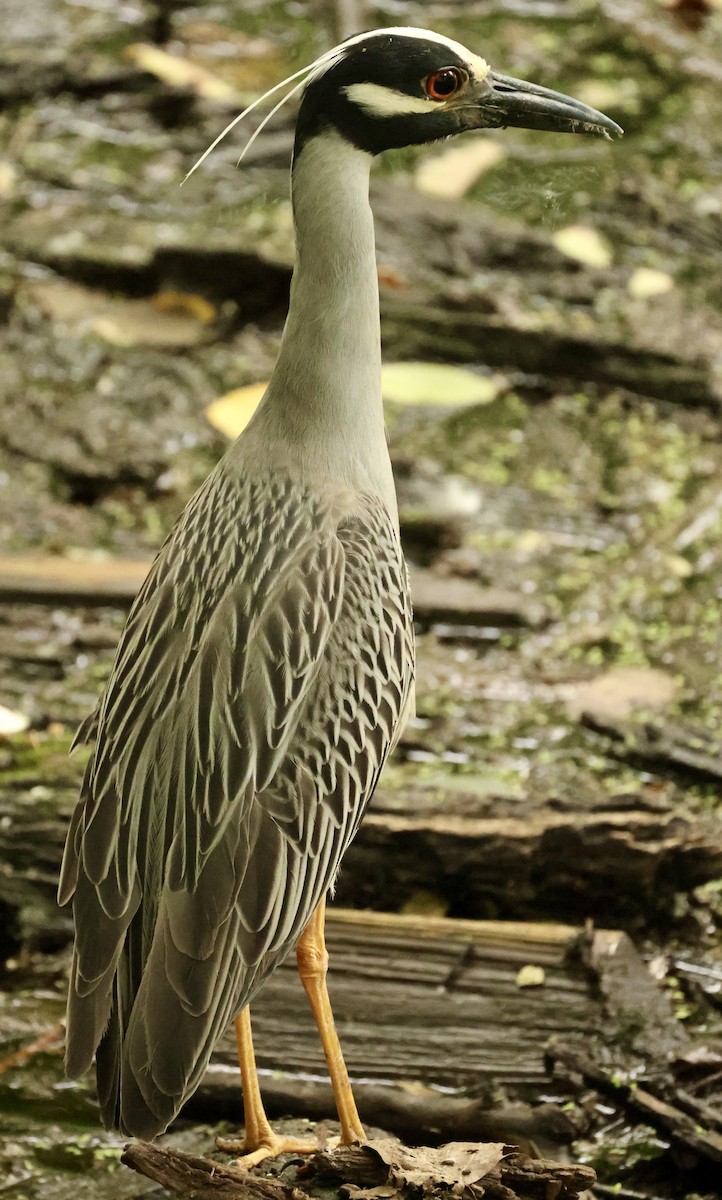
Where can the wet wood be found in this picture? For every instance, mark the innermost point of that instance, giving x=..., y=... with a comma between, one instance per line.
x=639, y=1101
x=677, y=748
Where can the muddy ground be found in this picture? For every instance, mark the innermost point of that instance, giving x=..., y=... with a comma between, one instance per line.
x=565, y=760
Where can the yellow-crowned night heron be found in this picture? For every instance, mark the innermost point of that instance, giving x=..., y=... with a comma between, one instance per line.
x=267, y=664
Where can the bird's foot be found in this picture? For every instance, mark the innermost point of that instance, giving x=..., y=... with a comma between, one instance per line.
x=253, y=1152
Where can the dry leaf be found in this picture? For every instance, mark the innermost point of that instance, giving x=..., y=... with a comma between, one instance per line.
x=530, y=976
x=138, y=323
x=646, y=282
x=583, y=244
x=401, y=383
x=180, y=72
x=160, y=321
x=616, y=693
x=182, y=304
x=453, y=172
x=457, y=1164
x=232, y=412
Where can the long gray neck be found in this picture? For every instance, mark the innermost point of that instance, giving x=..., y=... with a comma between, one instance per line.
x=324, y=397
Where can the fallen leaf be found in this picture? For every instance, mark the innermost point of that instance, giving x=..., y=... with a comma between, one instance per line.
x=616, y=693
x=424, y=903
x=401, y=383
x=231, y=413
x=646, y=282
x=180, y=72
x=453, y=172
x=530, y=976
x=436, y=383
x=456, y=1163
x=168, y=319
x=11, y=721
x=138, y=323
x=390, y=278
x=185, y=304
x=583, y=244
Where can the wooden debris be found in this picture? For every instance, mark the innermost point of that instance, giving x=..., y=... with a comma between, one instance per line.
x=200, y=1178
x=50, y=1039
x=54, y=580
x=380, y=1167
x=665, y=746
x=642, y=1102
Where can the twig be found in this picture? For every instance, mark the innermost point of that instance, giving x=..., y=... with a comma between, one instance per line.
x=201, y=1178
x=45, y=1041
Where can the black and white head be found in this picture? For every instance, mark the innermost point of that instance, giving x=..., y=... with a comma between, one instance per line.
x=401, y=87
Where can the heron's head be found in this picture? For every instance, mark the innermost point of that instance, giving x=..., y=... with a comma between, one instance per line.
x=400, y=87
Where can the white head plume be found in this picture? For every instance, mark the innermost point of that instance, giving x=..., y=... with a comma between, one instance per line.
x=311, y=71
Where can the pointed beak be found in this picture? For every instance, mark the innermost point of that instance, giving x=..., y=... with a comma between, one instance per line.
x=508, y=101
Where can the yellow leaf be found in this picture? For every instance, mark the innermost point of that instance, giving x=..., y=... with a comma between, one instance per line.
x=401, y=383
x=180, y=72
x=646, y=282
x=436, y=383
x=453, y=172
x=185, y=304
x=232, y=412
x=584, y=244
x=530, y=976
x=423, y=903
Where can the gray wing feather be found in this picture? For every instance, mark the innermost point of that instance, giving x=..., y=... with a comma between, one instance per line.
x=256, y=691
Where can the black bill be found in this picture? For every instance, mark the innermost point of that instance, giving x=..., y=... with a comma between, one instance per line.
x=516, y=102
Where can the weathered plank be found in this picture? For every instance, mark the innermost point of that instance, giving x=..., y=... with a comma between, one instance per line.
x=55, y=580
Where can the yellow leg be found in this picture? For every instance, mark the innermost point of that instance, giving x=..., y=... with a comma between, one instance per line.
x=312, y=960
x=260, y=1141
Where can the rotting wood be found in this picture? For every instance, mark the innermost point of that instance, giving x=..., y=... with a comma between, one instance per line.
x=667, y=1117
x=633, y=1001
x=635, y=859
x=200, y=1178
x=678, y=748
x=355, y=1169
x=55, y=580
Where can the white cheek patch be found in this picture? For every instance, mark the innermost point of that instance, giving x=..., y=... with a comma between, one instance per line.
x=387, y=102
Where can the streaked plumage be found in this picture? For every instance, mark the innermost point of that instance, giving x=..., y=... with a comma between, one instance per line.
x=267, y=664
x=257, y=689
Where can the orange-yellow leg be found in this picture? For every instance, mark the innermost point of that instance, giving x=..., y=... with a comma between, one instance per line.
x=312, y=961
x=260, y=1141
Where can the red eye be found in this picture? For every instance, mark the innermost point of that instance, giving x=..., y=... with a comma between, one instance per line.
x=444, y=83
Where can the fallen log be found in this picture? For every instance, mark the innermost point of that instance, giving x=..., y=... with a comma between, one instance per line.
x=635, y=859
x=378, y=1167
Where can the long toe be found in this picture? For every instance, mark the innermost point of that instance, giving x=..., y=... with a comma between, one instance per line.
x=269, y=1147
